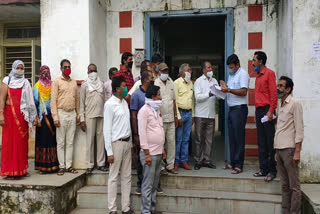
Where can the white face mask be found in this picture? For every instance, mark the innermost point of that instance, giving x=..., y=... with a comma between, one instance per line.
x=231, y=71
x=164, y=77
x=154, y=104
x=187, y=77
x=93, y=76
x=210, y=74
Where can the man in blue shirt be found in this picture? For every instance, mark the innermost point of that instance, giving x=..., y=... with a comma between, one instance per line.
x=237, y=99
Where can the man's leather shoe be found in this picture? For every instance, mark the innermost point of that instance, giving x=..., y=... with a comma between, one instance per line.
x=186, y=166
x=197, y=166
x=209, y=165
x=129, y=212
x=175, y=168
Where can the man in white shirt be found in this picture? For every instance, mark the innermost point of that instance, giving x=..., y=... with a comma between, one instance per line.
x=117, y=134
x=237, y=98
x=204, y=117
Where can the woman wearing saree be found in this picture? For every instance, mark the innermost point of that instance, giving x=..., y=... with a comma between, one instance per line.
x=46, y=145
x=17, y=114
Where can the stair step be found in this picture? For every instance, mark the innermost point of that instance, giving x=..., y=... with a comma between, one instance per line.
x=189, y=201
x=235, y=183
x=104, y=211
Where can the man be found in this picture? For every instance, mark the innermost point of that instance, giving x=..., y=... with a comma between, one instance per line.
x=204, y=117
x=117, y=132
x=107, y=85
x=136, y=103
x=126, y=69
x=152, y=151
x=266, y=103
x=183, y=87
x=168, y=112
x=65, y=112
x=237, y=99
x=287, y=142
x=156, y=59
x=91, y=117
x=145, y=66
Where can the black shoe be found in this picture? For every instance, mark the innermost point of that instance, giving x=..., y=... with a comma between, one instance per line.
x=197, y=166
x=209, y=165
x=138, y=191
x=156, y=212
x=129, y=212
x=159, y=190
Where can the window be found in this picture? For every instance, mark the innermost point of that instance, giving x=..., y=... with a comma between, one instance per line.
x=25, y=32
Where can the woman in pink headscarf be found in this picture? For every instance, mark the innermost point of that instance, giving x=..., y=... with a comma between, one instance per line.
x=46, y=146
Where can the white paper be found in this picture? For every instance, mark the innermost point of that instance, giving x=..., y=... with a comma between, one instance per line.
x=315, y=50
x=265, y=118
x=216, y=91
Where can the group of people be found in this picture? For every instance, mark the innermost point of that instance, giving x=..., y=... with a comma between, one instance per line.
x=153, y=113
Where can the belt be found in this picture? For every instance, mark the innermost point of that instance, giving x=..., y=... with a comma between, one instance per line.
x=261, y=107
x=124, y=139
x=184, y=110
x=237, y=107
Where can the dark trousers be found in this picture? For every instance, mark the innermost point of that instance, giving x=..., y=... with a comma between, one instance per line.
x=237, y=119
x=265, y=132
x=139, y=167
x=290, y=182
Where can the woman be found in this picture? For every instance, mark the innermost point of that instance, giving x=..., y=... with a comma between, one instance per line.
x=46, y=145
x=17, y=114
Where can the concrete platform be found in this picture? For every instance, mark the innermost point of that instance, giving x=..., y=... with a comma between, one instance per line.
x=311, y=198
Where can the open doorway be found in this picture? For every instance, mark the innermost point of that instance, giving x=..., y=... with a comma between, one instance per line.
x=194, y=37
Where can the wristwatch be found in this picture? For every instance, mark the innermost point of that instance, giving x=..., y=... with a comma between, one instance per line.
x=229, y=90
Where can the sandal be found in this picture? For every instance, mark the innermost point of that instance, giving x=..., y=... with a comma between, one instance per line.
x=10, y=178
x=227, y=166
x=61, y=171
x=72, y=170
x=163, y=172
x=103, y=168
x=27, y=174
x=42, y=172
x=236, y=171
x=269, y=177
x=259, y=174
x=89, y=171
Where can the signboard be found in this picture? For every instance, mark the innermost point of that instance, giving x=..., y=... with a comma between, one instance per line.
x=139, y=57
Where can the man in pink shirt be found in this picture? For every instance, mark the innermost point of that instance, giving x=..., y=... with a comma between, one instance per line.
x=152, y=139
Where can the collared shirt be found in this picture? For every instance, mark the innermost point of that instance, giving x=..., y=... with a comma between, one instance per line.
x=107, y=90
x=137, y=79
x=151, y=133
x=116, y=122
x=204, y=105
x=184, y=95
x=138, y=99
x=64, y=95
x=240, y=79
x=127, y=75
x=135, y=87
x=91, y=103
x=266, y=89
x=289, y=125
x=168, y=98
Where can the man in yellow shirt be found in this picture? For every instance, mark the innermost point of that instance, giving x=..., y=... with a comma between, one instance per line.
x=185, y=113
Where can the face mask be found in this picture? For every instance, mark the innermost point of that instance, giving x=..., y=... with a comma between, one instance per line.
x=257, y=69
x=231, y=71
x=19, y=73
x=164, y=77
x=280, y=94
x=210, y=74
x=187, y=77
x=130, y=64
x=93, y=76
x=154, y=104
x=124, y=93
x=67, y=72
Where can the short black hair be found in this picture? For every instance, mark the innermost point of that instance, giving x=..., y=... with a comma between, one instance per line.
x=93, y=65
x=144, y=66
x=125, y=56
x=63, y=61
x=152, y=91
x=111, y=70
x=203, y=65
x=144, y=75
x=116, y=82
x=289, y=82
x=233, y=59
x=261, y=56
x=156, y=58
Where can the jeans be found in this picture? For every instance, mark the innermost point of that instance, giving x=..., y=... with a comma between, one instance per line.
x=182, y=137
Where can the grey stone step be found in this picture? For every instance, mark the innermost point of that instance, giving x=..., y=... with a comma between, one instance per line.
x=104, y=211
x=233, y=183
x=189, y=201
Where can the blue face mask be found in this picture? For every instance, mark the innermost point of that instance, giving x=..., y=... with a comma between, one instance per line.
x=257, y=69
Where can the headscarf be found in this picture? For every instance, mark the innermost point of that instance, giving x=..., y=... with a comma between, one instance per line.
x=17, y=80
x=94, y=82
x=45, y=77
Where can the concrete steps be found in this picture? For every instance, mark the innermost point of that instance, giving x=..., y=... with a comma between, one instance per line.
x=103, y=211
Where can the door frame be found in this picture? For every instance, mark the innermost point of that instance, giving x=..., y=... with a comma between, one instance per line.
x=229, y=43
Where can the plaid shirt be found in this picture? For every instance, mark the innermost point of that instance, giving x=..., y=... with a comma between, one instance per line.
x=127, y=75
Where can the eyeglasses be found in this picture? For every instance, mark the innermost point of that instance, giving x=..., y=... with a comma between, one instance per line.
x=280, y=85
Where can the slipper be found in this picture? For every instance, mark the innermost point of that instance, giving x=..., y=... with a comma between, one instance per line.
x=89, y=171
x=10, y=178
x=61, y=171
x=236, y=171
x=103, y=168
x=269, y=177
x=259, y=174
x=72, y=170
x=42, y=172
x=27, y=174
x=164, y=172
x=227, y=166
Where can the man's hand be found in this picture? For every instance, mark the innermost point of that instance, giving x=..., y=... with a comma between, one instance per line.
x=164, y=155
x=111, y=159
x=2, y=122
x=210, y=94
x=136, y=140
x=148, y=159
x=78, y=120
x=176, y=122
x=193, y=120
x=296, y=157
x=180, y=123
x=270, y=116
x=83, y=126
x=57, y=123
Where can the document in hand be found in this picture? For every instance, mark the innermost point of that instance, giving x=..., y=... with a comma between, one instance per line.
x=216, y=90
x=265, y=118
